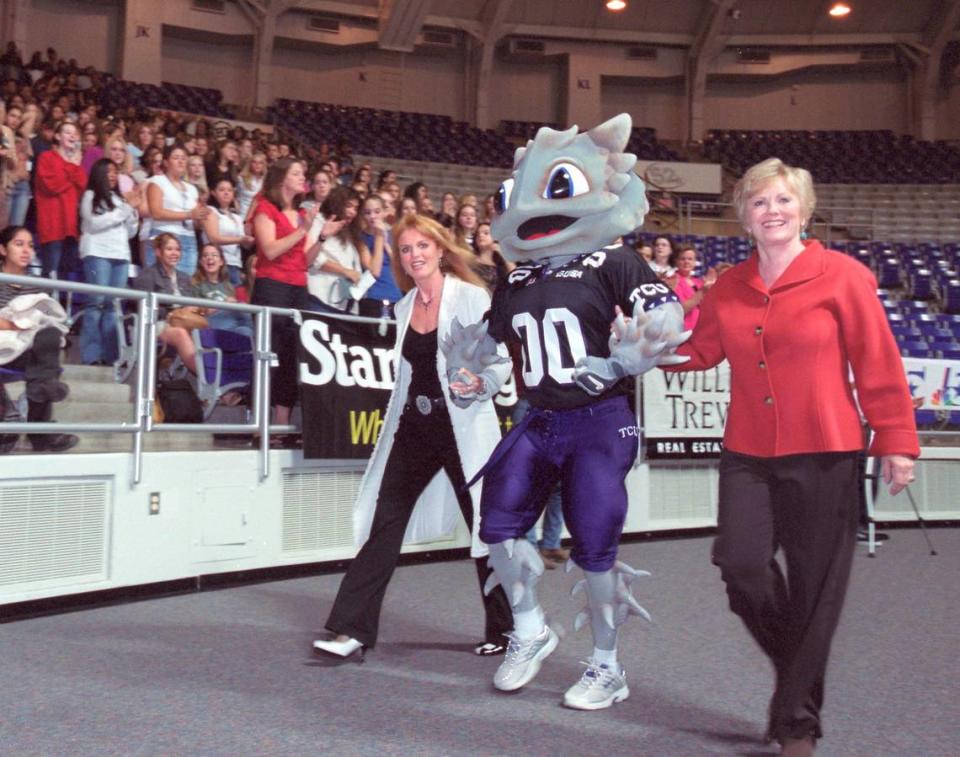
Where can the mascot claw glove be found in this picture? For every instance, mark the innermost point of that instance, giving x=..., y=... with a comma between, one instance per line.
x=468, y=348
x=640, y=343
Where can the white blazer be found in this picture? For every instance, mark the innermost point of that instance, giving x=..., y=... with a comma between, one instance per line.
x=475, y=428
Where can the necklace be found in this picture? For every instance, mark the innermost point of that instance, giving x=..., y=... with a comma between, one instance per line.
x=423, y=302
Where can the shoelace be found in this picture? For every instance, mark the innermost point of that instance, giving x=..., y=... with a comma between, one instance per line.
x=518, y=649
x=595, y=675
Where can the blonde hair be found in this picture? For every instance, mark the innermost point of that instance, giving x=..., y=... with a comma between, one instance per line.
x=127, y=166
x=798, y=180
x=455, y=258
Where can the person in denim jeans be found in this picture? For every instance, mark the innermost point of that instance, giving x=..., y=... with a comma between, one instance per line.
x=108, y=220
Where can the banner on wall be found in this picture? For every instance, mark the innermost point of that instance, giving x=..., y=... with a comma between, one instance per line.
x=347, y=373
x=684, y=413
x=934, y=384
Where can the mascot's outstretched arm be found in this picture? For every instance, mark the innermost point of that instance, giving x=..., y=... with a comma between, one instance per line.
x=637, y=344
x=470, y=351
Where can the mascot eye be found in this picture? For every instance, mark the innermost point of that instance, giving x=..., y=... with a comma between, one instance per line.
x=566, y=181
x=501, y=200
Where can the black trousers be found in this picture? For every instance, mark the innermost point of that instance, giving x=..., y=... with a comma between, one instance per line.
x=806, y=505
x=423, y=445
x=41, y=362
x=284, y=336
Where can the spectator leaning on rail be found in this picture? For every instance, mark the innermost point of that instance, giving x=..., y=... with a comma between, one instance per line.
x=33, y=341
x=792, y=321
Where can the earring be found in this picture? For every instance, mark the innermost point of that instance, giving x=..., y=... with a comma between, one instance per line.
x=803, y=233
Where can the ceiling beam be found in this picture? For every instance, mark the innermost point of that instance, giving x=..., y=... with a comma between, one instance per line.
x=400, y=22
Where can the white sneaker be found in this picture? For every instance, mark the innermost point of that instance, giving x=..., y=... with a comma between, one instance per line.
x=524, y=658
x=598, y=688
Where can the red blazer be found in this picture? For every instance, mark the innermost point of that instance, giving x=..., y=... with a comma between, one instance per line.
x=57, y=190
x=790, y=348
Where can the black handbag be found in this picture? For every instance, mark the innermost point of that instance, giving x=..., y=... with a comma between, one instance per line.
x=179, y=402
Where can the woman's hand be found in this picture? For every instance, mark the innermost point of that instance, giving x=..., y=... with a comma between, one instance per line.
x=468, y=384
x=897, y=470
x=353, y=275
x=710, y=278
x=332, y=227
x=309, y=215
x=200, y=213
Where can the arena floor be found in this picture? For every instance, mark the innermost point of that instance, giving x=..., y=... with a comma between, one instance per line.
x=231, y=672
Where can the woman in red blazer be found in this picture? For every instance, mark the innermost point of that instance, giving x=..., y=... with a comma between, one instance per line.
x=793, y=320
x=58, y=186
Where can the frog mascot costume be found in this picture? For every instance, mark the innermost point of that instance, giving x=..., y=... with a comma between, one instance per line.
x=571, y=195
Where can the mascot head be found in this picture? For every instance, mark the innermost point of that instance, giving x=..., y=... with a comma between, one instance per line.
x=569, y=193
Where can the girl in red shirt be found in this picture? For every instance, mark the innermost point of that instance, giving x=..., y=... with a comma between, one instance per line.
x=59, y=183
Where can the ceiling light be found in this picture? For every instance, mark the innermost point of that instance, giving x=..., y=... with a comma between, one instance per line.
x=616, y=5
x=839, y=10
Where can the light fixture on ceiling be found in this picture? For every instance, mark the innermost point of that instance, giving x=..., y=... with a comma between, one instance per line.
x=616, y=5
x=839, y=10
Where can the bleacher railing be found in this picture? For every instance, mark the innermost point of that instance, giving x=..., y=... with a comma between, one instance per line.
x=145, y=384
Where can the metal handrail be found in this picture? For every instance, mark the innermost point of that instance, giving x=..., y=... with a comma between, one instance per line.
x=145, y=387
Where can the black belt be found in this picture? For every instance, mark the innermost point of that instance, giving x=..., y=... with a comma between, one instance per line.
x=425, y=405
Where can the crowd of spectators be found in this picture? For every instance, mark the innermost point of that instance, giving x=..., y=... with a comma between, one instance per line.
x=170, y=204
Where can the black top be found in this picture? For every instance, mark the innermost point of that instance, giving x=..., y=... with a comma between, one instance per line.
x=558, y=315
x=420, y=350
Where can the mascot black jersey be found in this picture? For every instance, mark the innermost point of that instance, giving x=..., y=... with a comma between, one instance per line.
x=559, y=315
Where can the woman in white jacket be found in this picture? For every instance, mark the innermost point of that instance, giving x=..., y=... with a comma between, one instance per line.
x=403, y=495
x=107, y=222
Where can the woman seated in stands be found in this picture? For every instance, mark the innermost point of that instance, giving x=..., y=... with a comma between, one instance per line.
x=250, y=182
x=320, y=187
x=690, y=289
x=40, y=362
x=143, y=136
x=116, y=151
x=108, y=219
x=165, y=277
x=197, y=175
x=448, y=210
x=174, y=206
x=488, y=209
x=408, y=207
x=424, y=433
x=225, y=164
x=418, y=192
x=376, y=256
x=488, y=262
x=663, y=252
x=337, y=264
x=212, y=282
x=466, y=225
x=224, y=228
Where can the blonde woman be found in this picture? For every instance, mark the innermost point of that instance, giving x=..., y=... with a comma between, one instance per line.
x=424, y=432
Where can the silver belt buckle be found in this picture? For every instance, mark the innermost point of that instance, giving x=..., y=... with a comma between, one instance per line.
x=424, y=405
